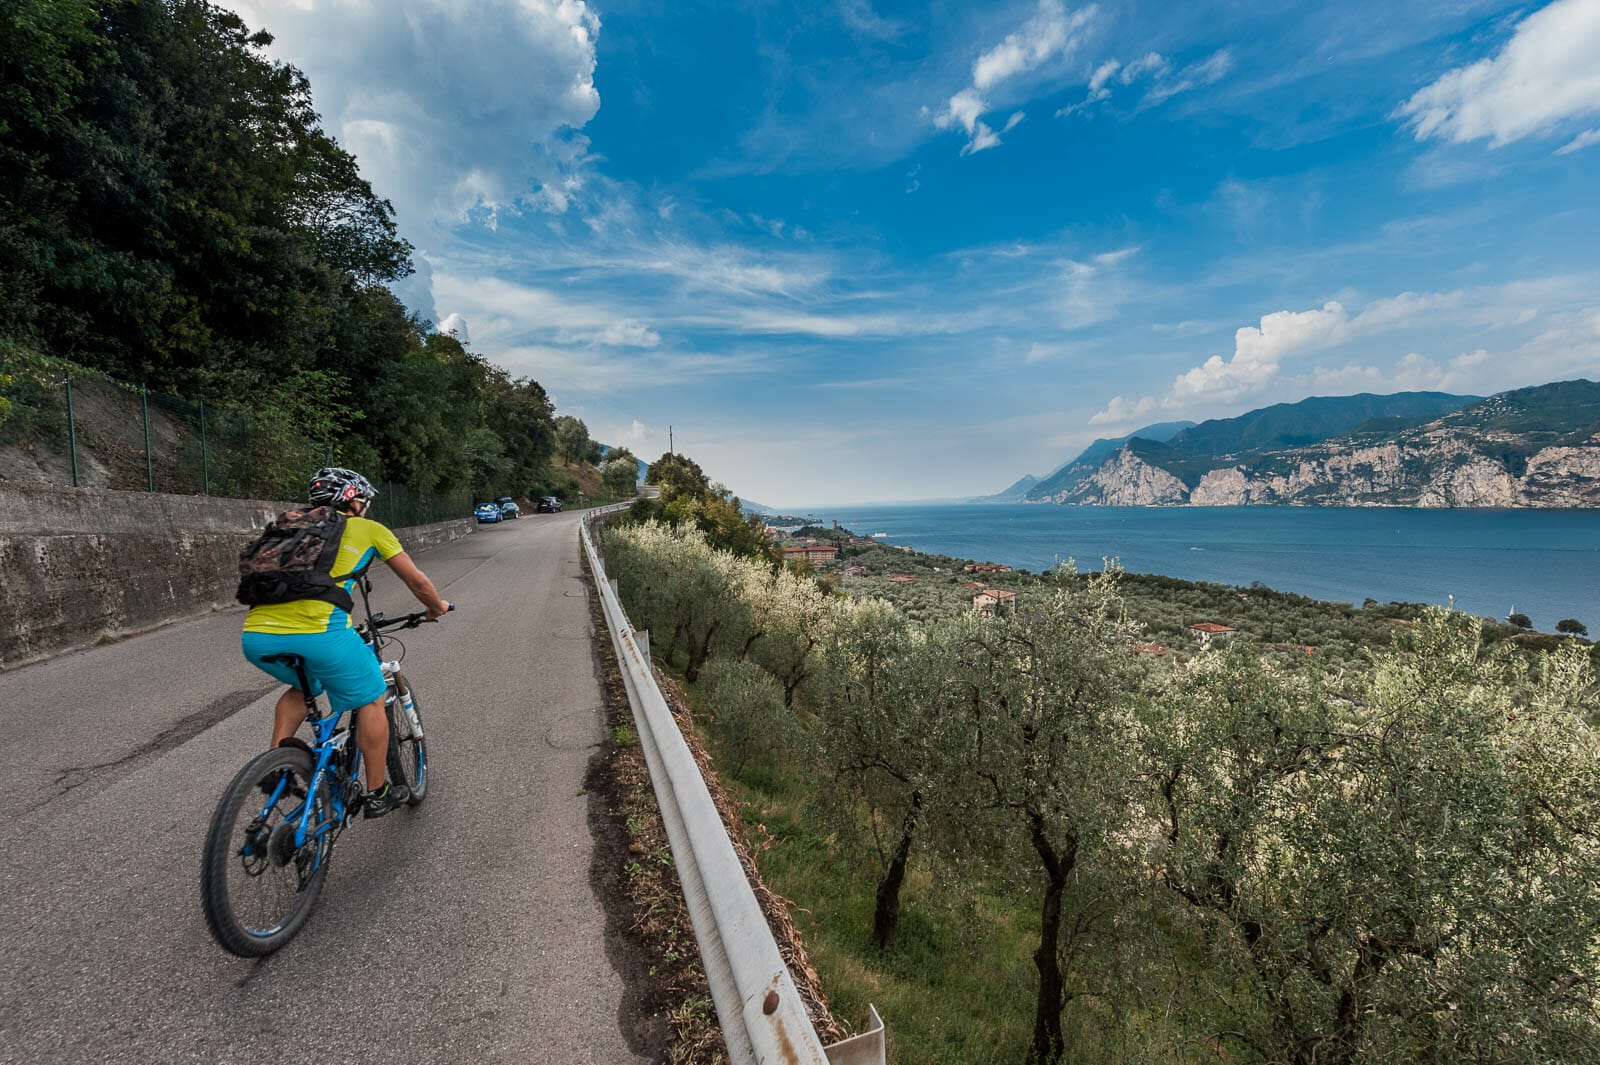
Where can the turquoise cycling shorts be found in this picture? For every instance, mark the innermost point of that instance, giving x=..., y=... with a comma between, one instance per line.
x=338, y=662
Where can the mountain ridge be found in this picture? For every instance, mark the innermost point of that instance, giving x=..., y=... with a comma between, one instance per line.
x=1530, y=447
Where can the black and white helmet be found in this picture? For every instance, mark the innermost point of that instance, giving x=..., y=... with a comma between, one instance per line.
x=336, y=486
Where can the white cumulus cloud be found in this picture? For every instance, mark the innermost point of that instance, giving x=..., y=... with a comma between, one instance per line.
x=455, y=325
x=1259, y=351
x=1051, y=33
x=449, y=105
x=1548, y=73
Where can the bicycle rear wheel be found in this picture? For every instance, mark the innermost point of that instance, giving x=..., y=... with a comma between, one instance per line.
x=256, y=888
x=408, y=751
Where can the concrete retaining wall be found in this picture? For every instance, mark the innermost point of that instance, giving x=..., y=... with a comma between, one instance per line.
x=80, y=565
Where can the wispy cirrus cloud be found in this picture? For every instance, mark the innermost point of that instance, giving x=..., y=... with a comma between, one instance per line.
x=1580, y=142
x=1548, y=73
x=1050, y=34
x=1155, y=76
x=861, y=19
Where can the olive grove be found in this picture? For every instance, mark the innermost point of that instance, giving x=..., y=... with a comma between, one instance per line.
x=1224, y=859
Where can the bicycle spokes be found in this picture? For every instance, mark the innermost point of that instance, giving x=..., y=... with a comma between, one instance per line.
x=264, y=884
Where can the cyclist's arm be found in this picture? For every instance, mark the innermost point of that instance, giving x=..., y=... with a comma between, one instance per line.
x=420, y=585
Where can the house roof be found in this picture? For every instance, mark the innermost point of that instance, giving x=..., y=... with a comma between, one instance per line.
x=1210, y=626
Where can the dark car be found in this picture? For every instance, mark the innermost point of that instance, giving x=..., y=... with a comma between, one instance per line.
x=548, y=505
x=509, y=508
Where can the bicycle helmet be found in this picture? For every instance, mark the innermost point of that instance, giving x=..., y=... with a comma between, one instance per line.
x=336, y=486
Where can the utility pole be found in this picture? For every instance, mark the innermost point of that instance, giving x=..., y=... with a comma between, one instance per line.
x=670, y=449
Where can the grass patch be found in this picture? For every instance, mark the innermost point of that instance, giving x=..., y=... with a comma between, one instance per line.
x=958, y=983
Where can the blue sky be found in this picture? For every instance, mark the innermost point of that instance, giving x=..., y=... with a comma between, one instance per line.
x=855, y=251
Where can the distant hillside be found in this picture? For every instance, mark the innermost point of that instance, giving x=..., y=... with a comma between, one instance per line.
x=1532, y=447
x=1014, y=494
x=1066, y=477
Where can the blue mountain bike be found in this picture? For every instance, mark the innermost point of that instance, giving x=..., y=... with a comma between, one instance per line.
x=272, y=835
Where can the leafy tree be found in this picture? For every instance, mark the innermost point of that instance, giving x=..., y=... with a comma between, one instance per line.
x=1521, y=621
x=1572, y=627
x=884, y=718
x=572, y=438
x=751, y=723
x=790, y=620
x=687, y=591
x=1403, y=875
x=725, y=526
x=173, y=214
x=1046, y=748
x=677, y=475
x=519, y=411
x=620, y=474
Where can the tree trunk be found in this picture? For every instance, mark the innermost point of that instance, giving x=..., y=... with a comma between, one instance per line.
x=698, y=655
x=790, y=685
x=886, y=915
x=1048, y=1042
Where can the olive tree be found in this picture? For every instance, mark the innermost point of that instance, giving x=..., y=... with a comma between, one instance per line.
x=750, y=722
x=1401, y=873
x=790, y=618
x=683, y=589
x=1049, y=698
x=884, y=718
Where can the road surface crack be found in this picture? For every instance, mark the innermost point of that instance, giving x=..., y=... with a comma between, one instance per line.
x=175, y=735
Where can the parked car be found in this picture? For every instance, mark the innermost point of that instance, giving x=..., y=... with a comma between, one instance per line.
x=509, y=508
x=488, y=513
x=548, y=505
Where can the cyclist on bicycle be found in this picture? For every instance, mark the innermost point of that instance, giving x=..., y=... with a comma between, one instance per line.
x=336, y=659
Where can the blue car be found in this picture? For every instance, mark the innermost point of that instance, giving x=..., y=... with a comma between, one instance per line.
x=487, y=512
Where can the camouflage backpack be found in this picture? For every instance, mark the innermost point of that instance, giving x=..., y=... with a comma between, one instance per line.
x=294, y=559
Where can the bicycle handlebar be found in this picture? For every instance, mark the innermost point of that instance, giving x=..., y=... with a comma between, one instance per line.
x=407, y=621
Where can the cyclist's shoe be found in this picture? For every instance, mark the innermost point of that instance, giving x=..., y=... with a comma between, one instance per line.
x=386, y=798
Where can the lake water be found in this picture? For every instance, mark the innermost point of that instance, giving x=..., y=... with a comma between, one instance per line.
x=1543, y=563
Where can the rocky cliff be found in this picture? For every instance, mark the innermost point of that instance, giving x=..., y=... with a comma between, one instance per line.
x=1467, y=459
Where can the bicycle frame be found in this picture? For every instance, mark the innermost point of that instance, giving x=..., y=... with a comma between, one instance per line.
x=331, y=741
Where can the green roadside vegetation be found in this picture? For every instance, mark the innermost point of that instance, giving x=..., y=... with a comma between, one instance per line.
x=175, y=224
x=1023, y=840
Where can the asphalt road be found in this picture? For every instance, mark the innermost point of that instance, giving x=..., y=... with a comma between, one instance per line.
x=463, y=930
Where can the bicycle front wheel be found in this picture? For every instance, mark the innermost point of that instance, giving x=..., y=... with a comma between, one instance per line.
x=408, y=751
x=256, y=887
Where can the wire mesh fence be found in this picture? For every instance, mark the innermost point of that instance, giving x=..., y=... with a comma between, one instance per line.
x=64, y=424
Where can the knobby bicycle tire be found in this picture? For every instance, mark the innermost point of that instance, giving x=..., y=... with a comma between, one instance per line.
x=408, y=754
x=224, y=859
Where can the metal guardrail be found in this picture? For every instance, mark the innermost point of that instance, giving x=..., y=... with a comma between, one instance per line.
x=762, y=1016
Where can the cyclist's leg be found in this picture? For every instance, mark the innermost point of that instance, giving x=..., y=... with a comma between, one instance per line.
x=349, y=672
x=288, y=715
x=372, y=736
